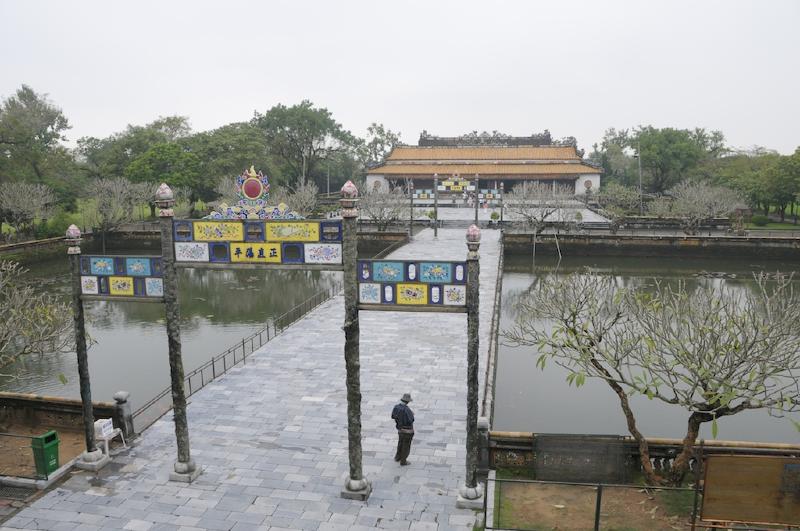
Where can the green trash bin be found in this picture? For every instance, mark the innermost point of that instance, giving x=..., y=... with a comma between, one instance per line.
x=45, y=453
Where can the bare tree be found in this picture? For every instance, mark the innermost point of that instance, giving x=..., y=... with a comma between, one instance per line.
x=227, y=190
x=304, y=198
x=22, y=203
x=694, y=203
x=30, y=322
x=384, y=207
x=617, y=202
x=697, y=202
x=535, y=204
x=143, y=193
x=714, y=350
x=115, y=199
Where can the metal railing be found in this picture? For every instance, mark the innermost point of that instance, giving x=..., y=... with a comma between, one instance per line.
x=507, y=504
x=236, y=355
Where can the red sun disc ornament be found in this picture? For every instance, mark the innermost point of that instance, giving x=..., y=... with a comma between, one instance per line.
x=252, y=188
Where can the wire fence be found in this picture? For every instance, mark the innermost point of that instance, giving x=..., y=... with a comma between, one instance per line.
x=529, y=505
x=16, y=456
x=234, y=356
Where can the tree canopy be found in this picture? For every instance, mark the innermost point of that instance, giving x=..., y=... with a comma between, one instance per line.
x=300, y=137
x=713, y=350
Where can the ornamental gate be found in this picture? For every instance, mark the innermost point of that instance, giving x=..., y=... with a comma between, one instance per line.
x=253, y=235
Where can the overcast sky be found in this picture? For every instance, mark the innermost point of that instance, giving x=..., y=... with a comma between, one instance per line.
x=575, y=68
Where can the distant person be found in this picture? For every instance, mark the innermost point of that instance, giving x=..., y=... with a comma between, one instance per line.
x=404, y=422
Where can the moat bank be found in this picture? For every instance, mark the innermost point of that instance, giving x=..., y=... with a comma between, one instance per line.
x=594, y=244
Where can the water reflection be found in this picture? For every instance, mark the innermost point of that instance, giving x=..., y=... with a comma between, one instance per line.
x=218, y=308
x=528, y=399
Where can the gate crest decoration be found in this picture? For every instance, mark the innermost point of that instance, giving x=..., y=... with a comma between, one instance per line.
x=254, y=235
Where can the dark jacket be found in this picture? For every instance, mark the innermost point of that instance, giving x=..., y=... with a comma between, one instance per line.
x=403, y=416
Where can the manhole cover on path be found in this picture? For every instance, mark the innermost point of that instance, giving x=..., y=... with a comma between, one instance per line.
x=16, y=493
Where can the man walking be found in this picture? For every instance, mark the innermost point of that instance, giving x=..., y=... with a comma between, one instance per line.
x=404, y=422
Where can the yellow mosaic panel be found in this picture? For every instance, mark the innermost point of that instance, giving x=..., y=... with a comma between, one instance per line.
x=412, y=294
x=293, y=231
x=257, y=253
x=218, y=231
x=120, y=286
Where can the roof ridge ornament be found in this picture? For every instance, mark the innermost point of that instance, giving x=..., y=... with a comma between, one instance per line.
x=253, y=190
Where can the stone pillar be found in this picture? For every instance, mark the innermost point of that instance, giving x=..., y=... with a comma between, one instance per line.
x=184, y=468
x=411, y=210
x=123, y=414
x=470, y=495
x=502, y=200
x=477, y=202
x=435, y=205
x=92, y=458
x=356, y=486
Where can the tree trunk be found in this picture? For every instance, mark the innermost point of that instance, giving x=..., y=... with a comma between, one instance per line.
x=681, y=463
x=103, y=238
x=152, y=209
x=644, y=449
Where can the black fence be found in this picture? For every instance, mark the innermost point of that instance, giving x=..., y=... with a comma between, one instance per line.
x=530, y=505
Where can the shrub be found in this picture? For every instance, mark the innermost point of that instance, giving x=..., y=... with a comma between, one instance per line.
x=495, y=216
x=759, y=221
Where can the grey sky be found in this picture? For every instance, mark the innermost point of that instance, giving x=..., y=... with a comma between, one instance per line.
x=575, y=68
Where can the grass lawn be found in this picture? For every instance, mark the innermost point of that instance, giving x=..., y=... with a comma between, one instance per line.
x=773, y=226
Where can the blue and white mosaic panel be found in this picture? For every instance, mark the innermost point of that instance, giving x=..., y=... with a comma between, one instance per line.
x=412, y=283
x=122, y=276
x=259, y=242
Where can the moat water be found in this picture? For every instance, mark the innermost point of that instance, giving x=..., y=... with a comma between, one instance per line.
x=129, y=350
x=532, y=400
x=219, y=308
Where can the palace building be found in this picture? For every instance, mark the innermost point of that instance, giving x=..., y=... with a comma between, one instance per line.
x=493, y=159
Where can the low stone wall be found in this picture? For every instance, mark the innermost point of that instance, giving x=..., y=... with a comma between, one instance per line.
x=487, y=405
x=516, y=450
x=57, y=412
x=633, y=245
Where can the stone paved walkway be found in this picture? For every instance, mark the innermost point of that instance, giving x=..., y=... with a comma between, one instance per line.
x=272, y=435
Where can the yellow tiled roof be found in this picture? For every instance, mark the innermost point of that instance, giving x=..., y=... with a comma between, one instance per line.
x=484, y=170
x=487, y=153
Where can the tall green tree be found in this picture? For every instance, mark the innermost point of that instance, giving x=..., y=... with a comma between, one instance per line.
x=31, y=134
x=227, y=150
x=172, y=164
x=667, y=155
x=379, y=143
x=781, y=181
x=110, y=156
x=31, y=131
x=301, y=138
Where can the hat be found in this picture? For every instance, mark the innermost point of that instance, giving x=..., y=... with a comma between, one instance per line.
x=406, y=398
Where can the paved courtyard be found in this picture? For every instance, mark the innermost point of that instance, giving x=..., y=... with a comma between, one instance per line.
x=271, y=436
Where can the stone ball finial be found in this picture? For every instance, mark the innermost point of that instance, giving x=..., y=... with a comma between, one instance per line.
x=73, y=232
x=349, y=190
x=164, y=193
x=473, y=234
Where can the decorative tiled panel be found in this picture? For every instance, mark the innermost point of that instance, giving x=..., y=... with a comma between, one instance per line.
x=122, y=276
x=259, y=242
x=412, y=283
